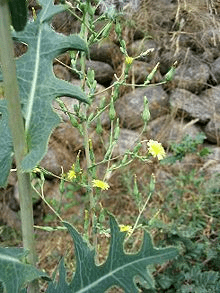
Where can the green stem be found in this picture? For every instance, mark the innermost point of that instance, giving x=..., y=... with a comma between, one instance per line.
x=17, y=130
x=138, y=218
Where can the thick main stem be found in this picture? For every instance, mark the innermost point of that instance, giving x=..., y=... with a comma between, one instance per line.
x=17, y=130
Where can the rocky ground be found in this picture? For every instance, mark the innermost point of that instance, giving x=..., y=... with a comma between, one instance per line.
x=185, y=32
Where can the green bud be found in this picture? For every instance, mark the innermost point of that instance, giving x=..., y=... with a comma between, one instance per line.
x=118, y=28
x=76, y=108
x=102, y=103
x=102, y=216
x=91, y=116
x=99, y=129
x=61, y=186
x=136, y=193
x=112, y=112
x=106, y=30
x=137, y=147
x=82, y=6
x=123, y=47
x=90, y=76
x=152, y=183
x=146, y=112
x=73, y=121
x=171, y=72
x=91, y=153
x=116, y=92
x=117, y=130
x=124, y=160
x=151, y=74
x=77, y=164
x=90, y=9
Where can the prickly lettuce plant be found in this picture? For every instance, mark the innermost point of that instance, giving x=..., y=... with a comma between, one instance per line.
x=27, y=121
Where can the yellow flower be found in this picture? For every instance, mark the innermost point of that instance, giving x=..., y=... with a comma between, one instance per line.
x=156, y=149
x=125, y=228
x=71, y=174
x=100, y=184
x=129, y=60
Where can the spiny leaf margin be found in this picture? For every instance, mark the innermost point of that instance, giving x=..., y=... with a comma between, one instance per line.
x=119, y=269
x=38, y=86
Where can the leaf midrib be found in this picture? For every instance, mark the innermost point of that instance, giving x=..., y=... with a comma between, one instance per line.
x=35, y=76
x=95, y=283
x=33, y=83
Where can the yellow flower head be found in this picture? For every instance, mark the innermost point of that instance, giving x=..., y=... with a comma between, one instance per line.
x=125, y=228
x=129, y=60
x=71, y=174
x=156, y=149
x=100, y=184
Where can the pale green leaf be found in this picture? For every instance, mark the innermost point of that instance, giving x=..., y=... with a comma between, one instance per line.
x=6, y=147
x=14, y=273
x=119, y=269
x=38, y=86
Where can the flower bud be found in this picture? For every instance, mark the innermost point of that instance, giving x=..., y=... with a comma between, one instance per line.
x=117, y=130
x=112, y=112
x=146, y=112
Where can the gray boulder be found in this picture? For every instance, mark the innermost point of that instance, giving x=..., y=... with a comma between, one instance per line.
x=192, y=77
x=190, y=105
x=130, y=106
x=167, y=130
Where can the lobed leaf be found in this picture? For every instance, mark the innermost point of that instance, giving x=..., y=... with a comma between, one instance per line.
x=38, y=86
x=14, y=273
x=119, y=269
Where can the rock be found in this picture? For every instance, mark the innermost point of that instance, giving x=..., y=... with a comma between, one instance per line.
x=212, y=161
x=61, y=72
x=192, y=77
x=56, y=158
x=126, y=141
x=211, y=96
x=64, y=145
x=215, y=153
x=130, y=106
x=103, y=71
x=107, y=52
x=186, y=165
x=64, y=58
x=215, y=69
x=141, y=46
x=162, y=176
x=212, y=129
x=167, y=130
x=66, y=23
x=211, y=39
x=67, y=136
x=9, y=207
x=9, y=217
x=191, y=105
x=139, y=72
x=69, y=104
